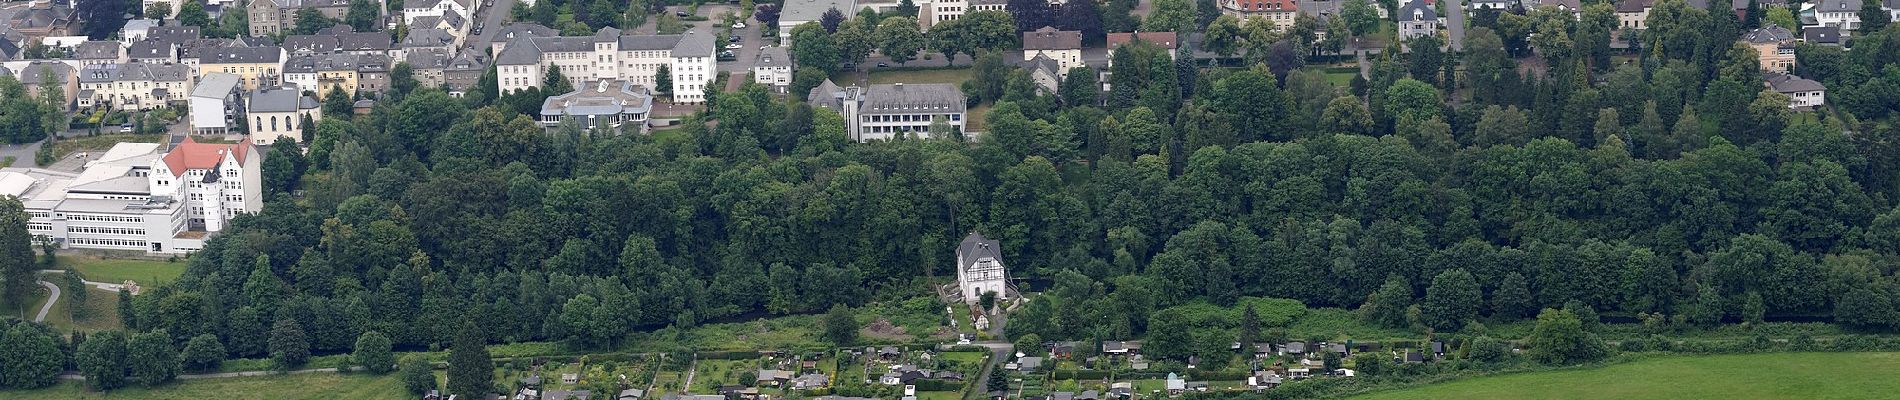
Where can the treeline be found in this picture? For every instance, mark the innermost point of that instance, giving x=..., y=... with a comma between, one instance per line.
x=1671, y=186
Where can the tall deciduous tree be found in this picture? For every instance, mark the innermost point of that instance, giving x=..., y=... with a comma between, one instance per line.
x=899, y=38
x=101, y=359
x=203, y=353
x=1559, y=338
x=289, y=347
x=30, y=358
x=373, y=353
x=841, y=327
x=1451, y=300
x=16, y=255
x=152, y=358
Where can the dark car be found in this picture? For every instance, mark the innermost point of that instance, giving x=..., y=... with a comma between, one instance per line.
x=681, y=14
x=882, y=64
x=734, y=39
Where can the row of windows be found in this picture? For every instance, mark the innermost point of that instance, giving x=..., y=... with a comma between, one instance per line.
x=105, y=242
x=911, y=118
x=40, y=214
x=103, y=218
x=106, y=230
x=39, y=226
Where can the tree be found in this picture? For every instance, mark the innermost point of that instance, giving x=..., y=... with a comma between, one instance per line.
x=417, y=375
x=1487, y=349
x=841, y=327
x=1360, y=17
x=337, y=104
x=1080, y=87
x=203, y=353
x=830, y=20
x=310, y=20
x=1868, y=308
x=906, y=8
x=1170, y=16
x=289, y=347
x=663, y=80
x=1426, y=58
x=127, y=315
x=16, y=254
x=1223, y=36
x=471, y=372
x=159, y=10
x=1372, y=364
x=363, y=16
x=373, y=353
x=1512, y=299
x=1387, y=306
x=554, y=82
x=152, y=358
x=813, y=46
x=101, y=359
x=899, y=38
x=30, y=358
x=1873, y=19
x=402, y=80
x=1559, y=338
x=192, y=13
x=1451, y=300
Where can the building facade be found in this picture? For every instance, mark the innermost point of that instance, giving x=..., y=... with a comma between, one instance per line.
x=1774, y=46
x=1065, y=47
x=255, y=67
x=886, y=111
x=613, y=104
x=980, y=269
x=133, y=86
x=136, y=198
x=608, y=55
x=279, y=112
x=773, y=69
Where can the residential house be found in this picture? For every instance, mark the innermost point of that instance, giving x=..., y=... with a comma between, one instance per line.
x=1175, y=384
x=279, y=112
x=1046, y=72
x=882, y=112
x=1822, y=35
x=1265, y=380
x=256, y=67
x=135, y=30
x=1418, y=18
x=773, y=68
x=153, y=51
x=270, y=17
x=372, y=73
x=1279, y=12
x=795, y=12
x=772, y=377
x=42, y=19
x=450, y=21
x=1064, y=47
x=426, y=39
x=1499, y=5
x=1167, y=40
x=96, y=52
x=980, y=267
x=1774, y=47
x=133, y=86
x=427, y=66
x=35, y=76
x=463, y=72
x=1843, y=14
x=1803, y=94
x=412, y=9
x=323, y=73
x=1633, y=14
x=1121, y=348
x=611, y=103
x=215, y=106
x=608, y=55
x=810, y=381
x=1293, y=349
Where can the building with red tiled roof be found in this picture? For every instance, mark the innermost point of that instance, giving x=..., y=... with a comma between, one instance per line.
x=1279, y=12
x=138, y=197
x=217, y=181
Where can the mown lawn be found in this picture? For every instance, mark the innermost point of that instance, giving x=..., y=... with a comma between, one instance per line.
x=284, y=387
x=1746, y=376
x=145, y=272
x=102, y=306
x=100, y=143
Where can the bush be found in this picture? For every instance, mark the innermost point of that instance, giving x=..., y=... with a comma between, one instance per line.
x=417, y=375
x=204, y=353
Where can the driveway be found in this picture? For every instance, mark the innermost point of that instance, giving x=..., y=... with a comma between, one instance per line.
x=50, y=299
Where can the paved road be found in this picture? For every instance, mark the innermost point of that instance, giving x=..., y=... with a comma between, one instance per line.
x=1455, y=23
x=22, y=153
x=50, y=299
x=491, y=17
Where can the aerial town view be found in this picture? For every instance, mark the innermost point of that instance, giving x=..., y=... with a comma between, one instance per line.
x=949, y=199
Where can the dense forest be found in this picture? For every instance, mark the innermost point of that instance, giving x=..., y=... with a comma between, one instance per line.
x=1442, y=189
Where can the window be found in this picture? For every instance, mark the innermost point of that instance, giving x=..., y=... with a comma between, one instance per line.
x=106, y=242
x=105, y=230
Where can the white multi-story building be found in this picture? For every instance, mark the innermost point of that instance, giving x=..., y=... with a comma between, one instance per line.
x=773, y=69
x=135, y=198
x=980, y=269
x=1844, y=14
x=1278, y=12
x=1803, y=94
x=133, y=86
x=411, y=9
x=883, y=112
x=1418, y=18
x=1065, y=47
x=947, y=10
x=608, y=55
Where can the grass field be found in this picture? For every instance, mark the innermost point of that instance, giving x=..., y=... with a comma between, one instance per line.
x=146, y=272
x=103, y=304
x=64, y=147
x=287, y=387
x=1748, y=376
x=950, y=76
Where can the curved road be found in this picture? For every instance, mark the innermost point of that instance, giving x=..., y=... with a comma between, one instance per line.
x=49, y=300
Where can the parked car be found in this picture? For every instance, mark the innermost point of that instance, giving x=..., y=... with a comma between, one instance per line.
x=734, y=38
x=881, y=64
x=735, y=46
x=681, y=14
x=126, y=128
x=738, y=25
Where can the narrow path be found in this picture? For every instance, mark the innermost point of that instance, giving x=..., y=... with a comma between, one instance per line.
x=240, y=374
x=101, y=285
x=692, y=368
x=54, y=298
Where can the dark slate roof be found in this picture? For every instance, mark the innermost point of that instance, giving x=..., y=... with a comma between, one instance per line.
x=286, y=99
x=41, y=16
x=372, y=63
x=975, y=247
x=134, y=72
x=1048, y=38
x=773, y=57
x=364, y=41
x=1633, y=6
x=1785, y=83
x=648, y=42
x=1042, y=62
x=427, y=37
x=1417, y=10
x=528, y=29
x=1822, y=34
x=30, y=74
x=241, y=55
x=1838, y=6
x=1770, y=34
x=311, y=43
x=150, y=48
x=467, y=61
x=195, y=47
x=427, y=59
x=695, y=45
x=98, y=50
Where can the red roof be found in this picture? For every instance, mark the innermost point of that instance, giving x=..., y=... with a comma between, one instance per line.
x=1267, y=5
x=1164, y=39
x=190, y=155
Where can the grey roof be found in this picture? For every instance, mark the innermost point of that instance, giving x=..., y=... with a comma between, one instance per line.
x=830, y=95
x=426, y=21
x=98, y=50
x=974, y=245
x=695, y=45
x=802, y=11
x=420, y=3
x=133, y=72
x=285, y=99
x=1770, y=34
x=427, y=37
x=1822, y=34
x=906, y=99
x=37, y=16
x=567, y=394
x=241, y=55
x=1784, y=83
x=1838, y=6
x=1417, y=10
x=194, y=47
x=467, y=61
x=144, y=24
x=372, y=63
x=173, y=33
x=427, y=59
x=1049, y=38
x=363, y=41
x=1320, y=7
x=1634, y=6
x=604, y=97
x=215, y=85
x=647, y=42
x=30, y=74
x=251, y=41
x=311, y=43
x=632, y=394
x=773, y=57
x=1044, y=63
x=151, y=48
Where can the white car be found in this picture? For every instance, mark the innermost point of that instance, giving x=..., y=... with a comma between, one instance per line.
x=738, y=25
x=735, y=46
